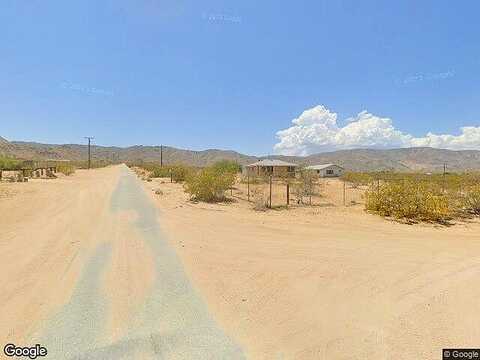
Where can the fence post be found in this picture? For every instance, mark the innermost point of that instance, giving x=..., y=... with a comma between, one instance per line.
x=270, y=191
x=171, y=176
x=288, y=193
x=248, y=188
x=344, y=193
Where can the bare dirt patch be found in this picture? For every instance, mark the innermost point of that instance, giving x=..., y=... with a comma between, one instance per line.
x=327, y=282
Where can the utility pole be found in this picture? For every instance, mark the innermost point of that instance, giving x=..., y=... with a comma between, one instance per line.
x=89, y=138
x=161, y=155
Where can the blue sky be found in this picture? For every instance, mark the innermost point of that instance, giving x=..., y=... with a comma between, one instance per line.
x=217, y=74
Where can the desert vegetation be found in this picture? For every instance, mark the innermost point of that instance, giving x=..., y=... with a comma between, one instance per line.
x=206, y=184
x=9, y=163
x=66, y=169
x=209, y=184
x=177, y=172
x=406, y=196
x=420, y=197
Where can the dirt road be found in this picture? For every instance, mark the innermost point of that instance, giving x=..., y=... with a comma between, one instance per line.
x=92, y=270
x=87, y=273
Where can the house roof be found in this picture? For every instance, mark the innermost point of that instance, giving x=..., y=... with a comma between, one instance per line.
x=270, y=162
x=321, y=166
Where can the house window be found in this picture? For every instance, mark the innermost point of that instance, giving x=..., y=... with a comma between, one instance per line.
x=329, y=172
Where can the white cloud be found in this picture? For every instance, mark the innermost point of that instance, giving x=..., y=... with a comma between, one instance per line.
x=317, y=130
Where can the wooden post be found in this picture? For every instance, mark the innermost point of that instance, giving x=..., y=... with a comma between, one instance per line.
x=171, y=176
x=270, y=191
x=248, y=187
x=344, y=193
x=288, y=193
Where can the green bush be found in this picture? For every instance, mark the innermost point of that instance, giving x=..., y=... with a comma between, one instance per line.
x=410, y=199
x=209, y=184
x=66, y=169
x=9, y=163
x=160, y=172
x=471, y=199
x=181, y=172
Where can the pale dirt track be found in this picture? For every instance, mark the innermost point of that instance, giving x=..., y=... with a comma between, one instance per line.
x=87, y=271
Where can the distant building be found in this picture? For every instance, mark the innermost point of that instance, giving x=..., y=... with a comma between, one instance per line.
x=326, y=170
x=269, y=167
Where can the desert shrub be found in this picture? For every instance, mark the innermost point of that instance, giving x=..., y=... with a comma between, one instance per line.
x=358, y=178
x=410, y=199
x=471, y=199
x=160, y=172
x=66, y=169
x=304, y=185
x=209, y=184
x=9, y=163
x=227, y=166
x=181, y=172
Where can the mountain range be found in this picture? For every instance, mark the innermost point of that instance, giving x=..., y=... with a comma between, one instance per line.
x=405, y=159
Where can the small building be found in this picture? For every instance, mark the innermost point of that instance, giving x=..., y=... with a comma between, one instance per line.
x=326, y=170
x=269, y=167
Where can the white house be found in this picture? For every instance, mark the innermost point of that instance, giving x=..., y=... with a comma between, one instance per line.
x=326, y=170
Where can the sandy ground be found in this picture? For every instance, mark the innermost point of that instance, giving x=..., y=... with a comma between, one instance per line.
x=87, y=272
x=328, y=282
x=85, y=267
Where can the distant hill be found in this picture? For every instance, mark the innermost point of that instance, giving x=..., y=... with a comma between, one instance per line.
x=409, y=159
x=3, y=141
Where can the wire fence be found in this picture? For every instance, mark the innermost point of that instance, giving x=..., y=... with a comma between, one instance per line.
x=274, y=193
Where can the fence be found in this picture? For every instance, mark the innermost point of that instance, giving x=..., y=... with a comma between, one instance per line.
x=274, y=193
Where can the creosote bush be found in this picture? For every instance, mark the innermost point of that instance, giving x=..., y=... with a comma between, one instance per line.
x=304, y=186
x=66, y=169
x=410, y=199
x=160, y=172
x=209, y=184
x=9, y=163
x=180, y=173
x=471, y=199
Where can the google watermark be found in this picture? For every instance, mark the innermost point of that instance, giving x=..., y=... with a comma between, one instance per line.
x=32, y=352
x=463, y=354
